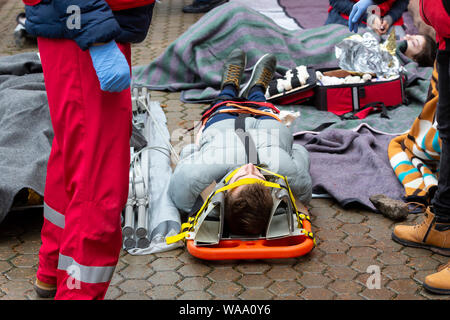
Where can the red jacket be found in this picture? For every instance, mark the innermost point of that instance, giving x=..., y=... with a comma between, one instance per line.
x=436, y=13
x=115, y=5
x=127, y=4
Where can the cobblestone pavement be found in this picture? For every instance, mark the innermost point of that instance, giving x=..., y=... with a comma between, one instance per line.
x=349, y=240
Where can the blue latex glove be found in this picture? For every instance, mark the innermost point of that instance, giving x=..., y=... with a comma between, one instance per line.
x=111, y=67
x=358, y=11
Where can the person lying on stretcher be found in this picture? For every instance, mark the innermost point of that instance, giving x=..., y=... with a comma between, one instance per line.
x=239, y=137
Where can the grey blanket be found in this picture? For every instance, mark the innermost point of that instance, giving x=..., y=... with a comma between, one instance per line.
x=26, y=131
x=351, y=165
x=25, y=128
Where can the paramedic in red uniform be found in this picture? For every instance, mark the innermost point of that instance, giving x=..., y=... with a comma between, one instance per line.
x=84, y=47
x=434, y=231
x=391, y=12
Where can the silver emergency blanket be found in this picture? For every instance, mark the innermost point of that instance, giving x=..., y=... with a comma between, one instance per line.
x=366, y=55
x=154, y=216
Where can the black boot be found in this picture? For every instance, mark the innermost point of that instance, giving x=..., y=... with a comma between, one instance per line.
x=202, y=7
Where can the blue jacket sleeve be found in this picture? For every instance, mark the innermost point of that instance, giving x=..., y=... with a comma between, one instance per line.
x=97, y=21
x=134, y=23
x=397, y=9
x=343, y=6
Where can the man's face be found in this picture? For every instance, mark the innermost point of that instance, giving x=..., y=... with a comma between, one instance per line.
x=247, y=171
x=416, y=44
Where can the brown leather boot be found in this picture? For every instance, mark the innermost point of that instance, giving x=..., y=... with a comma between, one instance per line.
x=429, y=234
x=439, y=282
x=44, y=290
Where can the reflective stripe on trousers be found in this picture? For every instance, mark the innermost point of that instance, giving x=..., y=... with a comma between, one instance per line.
x=54, y=216
x=77, y=271
x=85, y=274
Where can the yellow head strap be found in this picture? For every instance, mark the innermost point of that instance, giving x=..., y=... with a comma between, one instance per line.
x=246, y=181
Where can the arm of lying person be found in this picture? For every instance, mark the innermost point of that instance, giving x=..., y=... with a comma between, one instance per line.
x=198, y=136
x=396, y=12
x=375, y=23
x=302, y=184
x=193, y=174
x=295, y=166
x=301, y=206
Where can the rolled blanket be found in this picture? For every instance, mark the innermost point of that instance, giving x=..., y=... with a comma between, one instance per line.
x=414, y=156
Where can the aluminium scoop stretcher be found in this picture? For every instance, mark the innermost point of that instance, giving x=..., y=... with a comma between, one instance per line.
x=288, y=234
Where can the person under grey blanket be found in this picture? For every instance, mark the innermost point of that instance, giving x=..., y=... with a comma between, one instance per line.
x=351, y=165
x=25, y=128
x=26, y=131
x=192, y=62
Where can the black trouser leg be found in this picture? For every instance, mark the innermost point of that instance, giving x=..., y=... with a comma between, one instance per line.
x=441, y=200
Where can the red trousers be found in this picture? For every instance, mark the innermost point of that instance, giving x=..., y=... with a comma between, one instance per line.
x=87, y=174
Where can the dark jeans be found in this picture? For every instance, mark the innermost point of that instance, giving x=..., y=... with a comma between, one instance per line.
x=254, y=95
x=229, y=93
x=441, y=200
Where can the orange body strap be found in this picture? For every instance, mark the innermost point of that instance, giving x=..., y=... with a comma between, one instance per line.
x=243, y=109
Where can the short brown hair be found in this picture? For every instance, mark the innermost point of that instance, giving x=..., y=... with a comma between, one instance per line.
x=427, y=56
x=248, y=212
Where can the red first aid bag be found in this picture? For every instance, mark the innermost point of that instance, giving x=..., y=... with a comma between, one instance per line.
x=344, y=98
x=354, y=100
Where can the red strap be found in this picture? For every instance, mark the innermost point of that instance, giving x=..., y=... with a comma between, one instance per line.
x=117, y=5
x=372, y=107
x=221, y=104
x=364, y=113
x=252, y=111
x=31, y=2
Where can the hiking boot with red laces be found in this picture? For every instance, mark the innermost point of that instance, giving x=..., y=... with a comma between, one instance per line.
x=263, y=72
x=233, y=69
x=439, y=282
x=431, y=234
